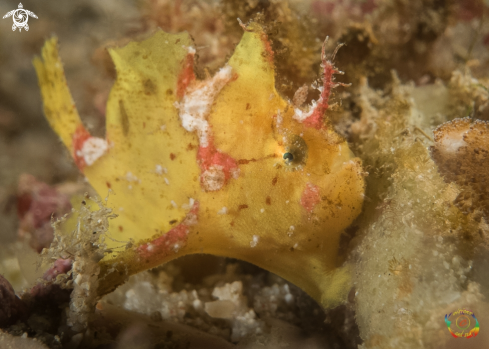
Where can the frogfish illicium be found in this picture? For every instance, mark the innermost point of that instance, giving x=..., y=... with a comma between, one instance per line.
x=223, y=166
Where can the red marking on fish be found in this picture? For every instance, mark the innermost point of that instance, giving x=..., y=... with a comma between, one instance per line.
x=79, y=138
x=172, y=241
x=210, y=157
x=268, y=47
x=186, y=76
x=310, y=197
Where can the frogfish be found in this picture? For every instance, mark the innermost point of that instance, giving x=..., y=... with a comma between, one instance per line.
x=223, y=166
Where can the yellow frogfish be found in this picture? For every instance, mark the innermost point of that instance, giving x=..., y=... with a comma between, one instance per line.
x=223, y=166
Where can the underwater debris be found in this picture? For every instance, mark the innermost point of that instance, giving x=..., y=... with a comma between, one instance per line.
x=231, y=304
x=77, y=248
x=19, y=342
x=318, y=187
x=37, y=204
x=11, y=307
x=461, y=152
x=416, y=251
x=219, y=305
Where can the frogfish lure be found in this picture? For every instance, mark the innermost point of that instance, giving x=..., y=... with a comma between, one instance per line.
x=222, y=166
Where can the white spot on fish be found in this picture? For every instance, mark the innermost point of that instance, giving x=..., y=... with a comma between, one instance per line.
x=223, y=210
x=159, y=170
x=291, y=230
x=132, y=178
x=197, y=103
x=255, y=240
x=279, y=118
x=189, y=205
x=213, y=178
x=92, y=149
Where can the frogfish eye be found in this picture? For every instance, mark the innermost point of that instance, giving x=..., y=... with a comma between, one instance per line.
x=295, y=155
x=288, y=157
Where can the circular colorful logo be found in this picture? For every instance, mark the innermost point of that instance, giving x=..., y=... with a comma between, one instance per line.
x=462, y=324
